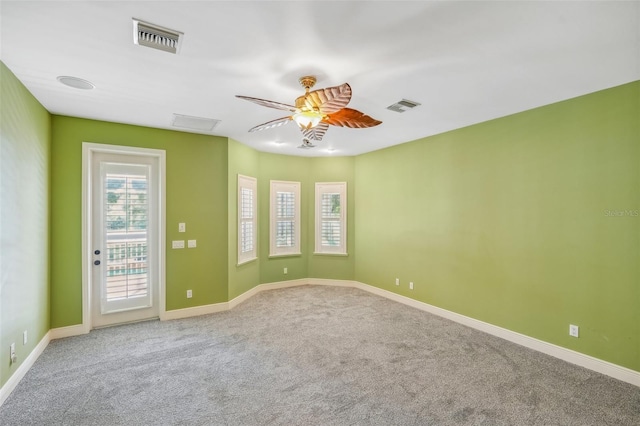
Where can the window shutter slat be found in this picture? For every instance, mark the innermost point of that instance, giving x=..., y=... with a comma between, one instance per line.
x=285, y=218
x=247, y=218
x=331, y=223
x=126, y=220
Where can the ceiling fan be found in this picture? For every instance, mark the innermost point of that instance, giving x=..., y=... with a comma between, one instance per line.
x=315, y=111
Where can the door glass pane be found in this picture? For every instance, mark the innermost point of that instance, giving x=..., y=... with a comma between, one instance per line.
x=126, y=210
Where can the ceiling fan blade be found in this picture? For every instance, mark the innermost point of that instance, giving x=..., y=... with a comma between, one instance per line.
x=316, y=133
x=329, y=100
x=270, y=104
x=352, y=118
x=271, y=124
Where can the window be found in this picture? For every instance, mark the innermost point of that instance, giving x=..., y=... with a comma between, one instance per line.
x=247, y=219
x=331, y=218
x=285, y=218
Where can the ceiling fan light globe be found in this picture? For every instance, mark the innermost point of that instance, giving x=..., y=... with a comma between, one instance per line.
x=307, y=119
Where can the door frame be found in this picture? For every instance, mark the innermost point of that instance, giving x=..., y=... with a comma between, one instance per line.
x=89, y=149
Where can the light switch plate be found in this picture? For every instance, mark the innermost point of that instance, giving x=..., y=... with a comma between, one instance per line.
x=182, y=227
x=191, y=244
x=178, y=244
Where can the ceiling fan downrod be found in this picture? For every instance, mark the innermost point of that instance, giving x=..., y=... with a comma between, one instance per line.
x=307, y=81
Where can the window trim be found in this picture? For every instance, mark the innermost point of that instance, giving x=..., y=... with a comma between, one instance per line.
x=320, y=189
x=249, y=183
x=284, y=186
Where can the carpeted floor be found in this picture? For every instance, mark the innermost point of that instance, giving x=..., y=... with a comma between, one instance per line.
x=311, y=355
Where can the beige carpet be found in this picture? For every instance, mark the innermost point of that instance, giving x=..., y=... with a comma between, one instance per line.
x=310, y=355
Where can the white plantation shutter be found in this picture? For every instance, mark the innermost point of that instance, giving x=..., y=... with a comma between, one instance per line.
x=285, y=218
x=125, y=213
x=331, y=218
x=124, y=227
x=247, y=219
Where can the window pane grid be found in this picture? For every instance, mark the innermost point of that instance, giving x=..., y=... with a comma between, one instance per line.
x=285, y=233
x=331, y=225
x=285, y=205
x=246, y=240
x=330, y=207
x=331, y=233
x=127, y=275
x=247, y=218
x=246, y=202
x=284, y=223
x=125, y=203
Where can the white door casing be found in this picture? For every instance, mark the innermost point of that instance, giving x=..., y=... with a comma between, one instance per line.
x=134, y=262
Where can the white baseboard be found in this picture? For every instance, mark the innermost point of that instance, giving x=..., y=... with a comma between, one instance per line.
x=264, y=287
x=612, y=370
x=195, y=311
x=244, y=296
x=225, y=306
x=72, y=330
x=333, y=283
x=22, y=370
x=604, y=367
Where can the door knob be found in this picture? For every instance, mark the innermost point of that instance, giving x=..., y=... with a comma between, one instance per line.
x=96, y=252
x=96, y=262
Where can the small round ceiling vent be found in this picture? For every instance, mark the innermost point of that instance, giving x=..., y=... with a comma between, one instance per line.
x=76, y=82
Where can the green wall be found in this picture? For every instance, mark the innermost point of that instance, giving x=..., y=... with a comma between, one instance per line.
x=196, y=193
x=529, y=222
x=287, y=168
x=307, y=171
x=324, y=169
x=202, y=192
x=24, y=220
x=245, y=161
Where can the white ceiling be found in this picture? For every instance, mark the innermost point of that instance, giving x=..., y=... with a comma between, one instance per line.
x=465, y=62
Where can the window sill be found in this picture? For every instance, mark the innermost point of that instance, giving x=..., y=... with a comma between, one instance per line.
x=244, y=262
x=331, y=254
x=272, y=256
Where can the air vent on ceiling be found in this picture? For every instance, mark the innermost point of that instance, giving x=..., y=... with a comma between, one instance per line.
x=156, y=37
x=403, y=105
x=194, y=123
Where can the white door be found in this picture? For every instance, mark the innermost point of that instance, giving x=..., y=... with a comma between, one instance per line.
x=125, y=272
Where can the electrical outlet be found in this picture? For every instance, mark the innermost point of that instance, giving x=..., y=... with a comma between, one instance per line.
x=182, y=227
x=177, y=244
x=411, y=285
x=397, y=281
x=12, y=354
x=189, y=294
x=574, y=330
x=24, y=338
x=286, y=271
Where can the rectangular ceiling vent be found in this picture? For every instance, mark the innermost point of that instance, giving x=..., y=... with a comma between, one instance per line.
x=156, y=37
x=403, y=105
x=194, y=123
